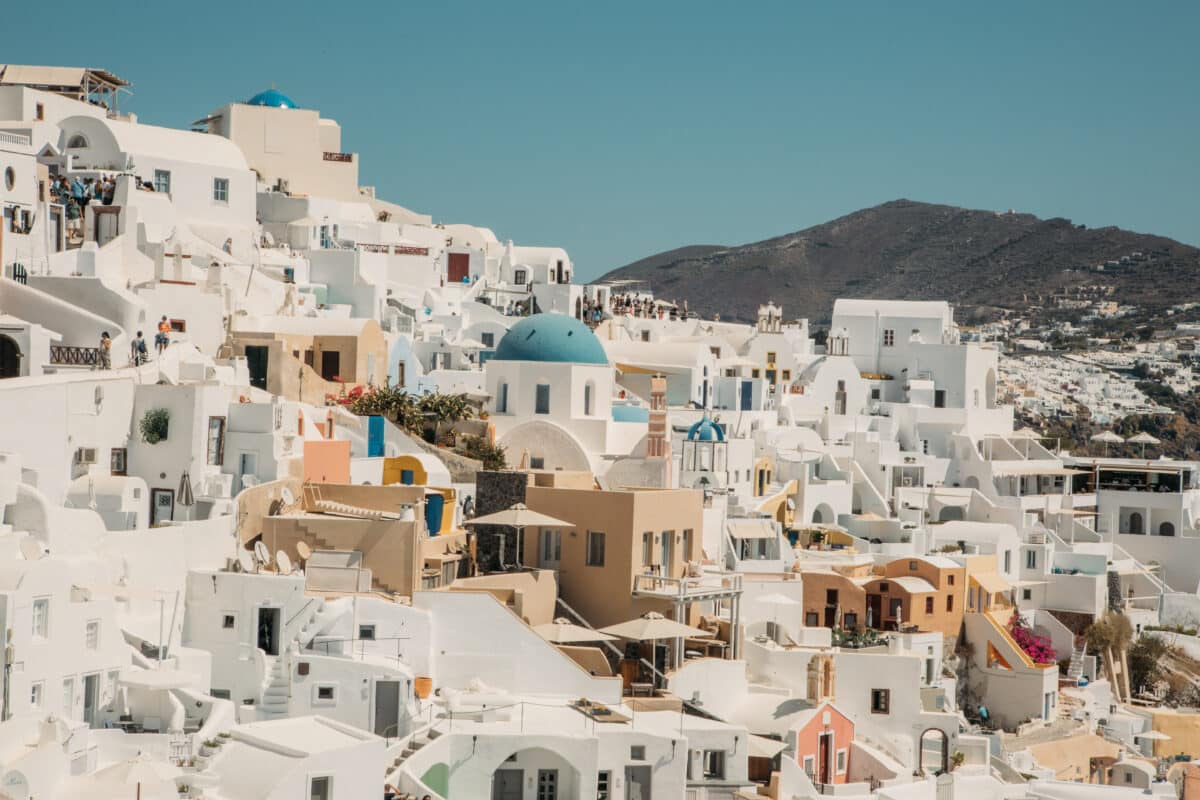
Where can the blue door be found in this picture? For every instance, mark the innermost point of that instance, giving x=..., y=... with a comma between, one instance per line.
x=747, y=396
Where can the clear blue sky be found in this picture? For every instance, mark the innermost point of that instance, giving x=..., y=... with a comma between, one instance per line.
x=622, y=129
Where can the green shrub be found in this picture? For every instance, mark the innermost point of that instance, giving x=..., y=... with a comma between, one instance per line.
x=154, y=425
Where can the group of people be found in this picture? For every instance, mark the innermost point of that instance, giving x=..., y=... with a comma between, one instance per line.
x=138, y=352
x=635, y=305
x=77, y=193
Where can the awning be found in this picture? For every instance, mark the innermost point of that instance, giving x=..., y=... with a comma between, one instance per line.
x=991, y=582
x=1036, y=469
x=751, y=528
x=762, y=747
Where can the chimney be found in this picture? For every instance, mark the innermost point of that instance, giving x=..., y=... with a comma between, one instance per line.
x=658, y=444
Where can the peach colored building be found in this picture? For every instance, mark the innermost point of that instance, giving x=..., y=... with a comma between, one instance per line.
x=922, y=592
x=307, y=358
x=630, y=552
x=327, y=460
x=823, y=740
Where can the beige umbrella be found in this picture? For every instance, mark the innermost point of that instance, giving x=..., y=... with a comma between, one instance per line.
x=1107, y=437
x=138, y=770
x=563, y=631
x=651, y=627
x=520, y=516
x=1143, y=439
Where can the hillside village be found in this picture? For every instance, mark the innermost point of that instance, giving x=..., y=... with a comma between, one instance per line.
x=304, y=494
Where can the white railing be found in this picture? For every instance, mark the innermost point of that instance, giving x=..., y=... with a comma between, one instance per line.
x=15, y=138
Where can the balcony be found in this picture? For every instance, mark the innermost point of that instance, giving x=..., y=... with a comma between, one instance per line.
x=706, y=587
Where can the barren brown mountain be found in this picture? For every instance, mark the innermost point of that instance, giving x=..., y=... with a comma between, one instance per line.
x=909, y=250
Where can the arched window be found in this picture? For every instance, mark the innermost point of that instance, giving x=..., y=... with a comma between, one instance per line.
x=1136, y=524
x=77, y=142
x=589, y=389
x=1166, y=529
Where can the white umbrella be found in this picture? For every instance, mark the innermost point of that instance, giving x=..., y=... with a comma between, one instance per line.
x=1108, y=437
x=563, y=631
x=1143, y=439
x=1152, y=736
x=520, y=516
x=775, y=600
x=138, y=770
x=651, y=627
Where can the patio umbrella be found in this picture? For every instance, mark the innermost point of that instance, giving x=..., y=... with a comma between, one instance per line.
x=651, y=627
x=1108, y=437
x=138, y=770
x=775, y=600
x=563, y=631
x=1143, y=439
x=520, y=516
x=184, y=496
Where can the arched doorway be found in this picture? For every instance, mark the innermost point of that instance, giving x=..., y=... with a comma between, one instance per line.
x=823, y=514
x=1166, y=529
x=1136, y=525
x=550, y=773
x=934, y=751
x=950, y=514
x=10, y=357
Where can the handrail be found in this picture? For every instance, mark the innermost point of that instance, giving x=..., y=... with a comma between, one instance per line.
x=311, y=600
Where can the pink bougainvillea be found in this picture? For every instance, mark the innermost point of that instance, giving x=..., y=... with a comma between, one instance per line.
x=1036, y=647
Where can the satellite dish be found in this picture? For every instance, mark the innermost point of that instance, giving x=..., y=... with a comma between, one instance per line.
x=286, y=496
x=303, y=551
x=31, y=549
x=283, y=563
x=262, y=554
x=245, y=561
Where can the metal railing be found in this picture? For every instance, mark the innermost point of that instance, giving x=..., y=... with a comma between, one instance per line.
x=71, y=355
x=683, y=588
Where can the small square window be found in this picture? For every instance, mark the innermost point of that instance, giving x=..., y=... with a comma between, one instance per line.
x=326, y=693
x=810, y=766
x=754, y=373
x=950, y=579
x=770, y=357
x=637, y=752
x=912, y=566
x=36, y=693
x=488, y=339
x=220, y=190
x=787, y=374
x=812, y=619
x=162, y=181
x=841, y=762
x=366, y=632
x=929, y=604
x=1027, y=594
x=228, y=621
x=883, y=587
x=881, y=701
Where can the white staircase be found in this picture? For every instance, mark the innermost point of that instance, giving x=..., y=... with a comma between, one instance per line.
x=1075, y=670
x=417, y=740
x=277, y=689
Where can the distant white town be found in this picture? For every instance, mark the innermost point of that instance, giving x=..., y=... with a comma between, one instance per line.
x=306, y=495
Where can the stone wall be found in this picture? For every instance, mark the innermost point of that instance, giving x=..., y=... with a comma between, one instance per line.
x=496, y=491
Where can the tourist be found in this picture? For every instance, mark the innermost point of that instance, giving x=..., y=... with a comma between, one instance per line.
x=137, y=350
x=105, y=351
x=77, y=190
x=74, y=218
x=163, y=338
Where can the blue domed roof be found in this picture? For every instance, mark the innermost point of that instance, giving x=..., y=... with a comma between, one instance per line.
x=273, y=98
x=554, y=338
x=705, y=431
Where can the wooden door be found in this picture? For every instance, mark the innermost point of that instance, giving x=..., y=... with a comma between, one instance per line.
x=458, y=267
